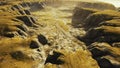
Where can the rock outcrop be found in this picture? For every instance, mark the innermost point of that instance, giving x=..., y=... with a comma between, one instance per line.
x=84, y=9
x=80, y=14
x=26, y=43
x=104, y=29
x=106, y=55
x=17, y=46
x=102, y=33
x=38, y=34
x=95, y=19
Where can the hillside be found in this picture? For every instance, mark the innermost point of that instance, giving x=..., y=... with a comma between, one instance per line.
x=59, y=34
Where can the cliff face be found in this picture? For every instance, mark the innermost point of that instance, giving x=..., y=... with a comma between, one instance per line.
x=41, y=34
x=102, y=32
x=84, y=9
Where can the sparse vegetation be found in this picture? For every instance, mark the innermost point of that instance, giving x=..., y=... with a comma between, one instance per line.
x=43, y=34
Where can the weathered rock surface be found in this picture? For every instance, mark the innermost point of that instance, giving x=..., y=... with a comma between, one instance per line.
x=96, y=18
x=16, y=50
x=106, y=31
x=84, y=9
x=36, y=35
x=24, y=42
x=102, y=35
x=80, y=14
x=106, y=55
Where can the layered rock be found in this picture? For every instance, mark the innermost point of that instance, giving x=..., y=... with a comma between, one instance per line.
x=106, y=55
x=84, y=9
x=102, y=32
x=96, y=18
x=101, y=26
x=80, y=14
x=25, y=41
x=17, y=47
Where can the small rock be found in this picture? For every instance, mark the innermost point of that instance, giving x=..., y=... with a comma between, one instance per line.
x=54, y=58
x=34, y=44
x=42, y=39
x=18, y=55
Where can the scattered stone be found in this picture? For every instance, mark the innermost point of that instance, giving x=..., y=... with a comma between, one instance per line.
x=34, y=44
x=42, y=39
x=18, y=55
x=54, y=58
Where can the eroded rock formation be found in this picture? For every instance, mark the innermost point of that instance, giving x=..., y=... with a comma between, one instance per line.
x=39, y=34
x=84, y=9
x=102, y=33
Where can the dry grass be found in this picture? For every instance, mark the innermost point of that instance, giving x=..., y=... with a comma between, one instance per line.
x=113, y=51
x=8, y=25
x=10, y=45
x=79, y=59
x=110, y=29
x=109, y=13
x=114, y=21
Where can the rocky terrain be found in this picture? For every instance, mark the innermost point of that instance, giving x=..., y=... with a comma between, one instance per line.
x=59, y=34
